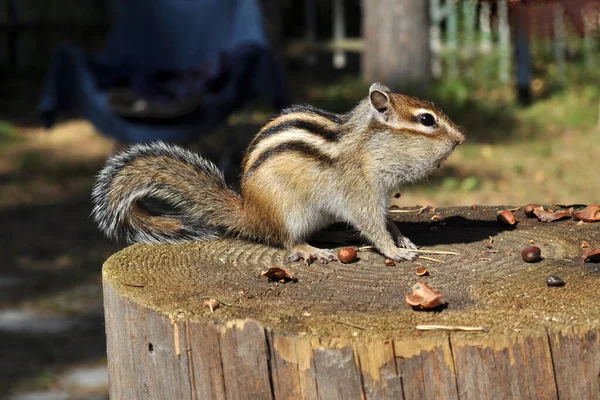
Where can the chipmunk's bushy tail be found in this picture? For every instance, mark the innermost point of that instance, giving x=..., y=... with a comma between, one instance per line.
x=159, y=193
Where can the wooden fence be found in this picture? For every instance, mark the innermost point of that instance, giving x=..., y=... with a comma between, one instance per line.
x=459, y=30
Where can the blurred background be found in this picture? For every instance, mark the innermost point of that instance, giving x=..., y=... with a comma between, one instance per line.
x=79, y=80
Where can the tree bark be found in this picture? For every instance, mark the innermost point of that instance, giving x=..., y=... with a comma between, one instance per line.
x=344, y=331
x=396, y=35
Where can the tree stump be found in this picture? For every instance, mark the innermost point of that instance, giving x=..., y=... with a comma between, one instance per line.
x=344, y=331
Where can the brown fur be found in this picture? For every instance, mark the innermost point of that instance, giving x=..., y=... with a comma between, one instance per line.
x=140, y=217
x=281, y=182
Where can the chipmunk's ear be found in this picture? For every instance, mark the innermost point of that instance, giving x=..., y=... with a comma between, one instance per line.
x=380, y=101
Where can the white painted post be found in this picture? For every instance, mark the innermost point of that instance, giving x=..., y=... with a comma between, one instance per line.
x=485, y=28
x=588, y=38
x=503, y=42
x=452, y=38
x=469, y=10
x=559, y=41
x=310, y=30
x=339, y=33
x=435, y=39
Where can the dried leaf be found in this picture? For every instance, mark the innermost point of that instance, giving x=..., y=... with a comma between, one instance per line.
x=549, y=216
x=424, y=297
x=589, y=214
x=275, y=274
x=213, y=304
x=591, y=256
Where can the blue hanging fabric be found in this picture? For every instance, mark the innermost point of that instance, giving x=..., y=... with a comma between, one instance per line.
x=171, y=70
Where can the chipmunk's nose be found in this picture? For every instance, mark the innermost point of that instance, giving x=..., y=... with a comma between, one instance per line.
x=459, y=138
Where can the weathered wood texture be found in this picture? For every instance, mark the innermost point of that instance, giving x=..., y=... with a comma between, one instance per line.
x=343, y=331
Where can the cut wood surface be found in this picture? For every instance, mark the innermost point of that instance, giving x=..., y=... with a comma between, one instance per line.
x=344, y=331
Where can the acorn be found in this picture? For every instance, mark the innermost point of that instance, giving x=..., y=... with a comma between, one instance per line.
x=346, y=255
x=531, y=254
x=507, y=217
x=528, y=210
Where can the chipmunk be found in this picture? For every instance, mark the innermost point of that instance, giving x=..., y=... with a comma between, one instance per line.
x=305, y=169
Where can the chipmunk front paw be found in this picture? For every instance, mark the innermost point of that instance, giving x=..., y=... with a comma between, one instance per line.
x=405, y=243
x=309, y=254
x=400, y=254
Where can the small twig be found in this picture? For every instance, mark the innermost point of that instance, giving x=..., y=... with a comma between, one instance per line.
x=134, y=284
x=417, y=210
x=451, y=328
x=217, y=299
x=415, y=250
x=431, y=259
x=434, y=252
x=349, y=324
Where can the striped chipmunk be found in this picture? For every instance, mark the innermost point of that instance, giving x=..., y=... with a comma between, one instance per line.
x=305, y=169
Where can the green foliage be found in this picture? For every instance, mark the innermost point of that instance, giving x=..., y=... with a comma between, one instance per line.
x=7, y=131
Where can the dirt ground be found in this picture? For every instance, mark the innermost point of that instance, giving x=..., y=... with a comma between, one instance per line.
x=52, y=253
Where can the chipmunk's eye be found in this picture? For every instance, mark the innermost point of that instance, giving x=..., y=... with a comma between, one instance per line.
x=427, y=119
